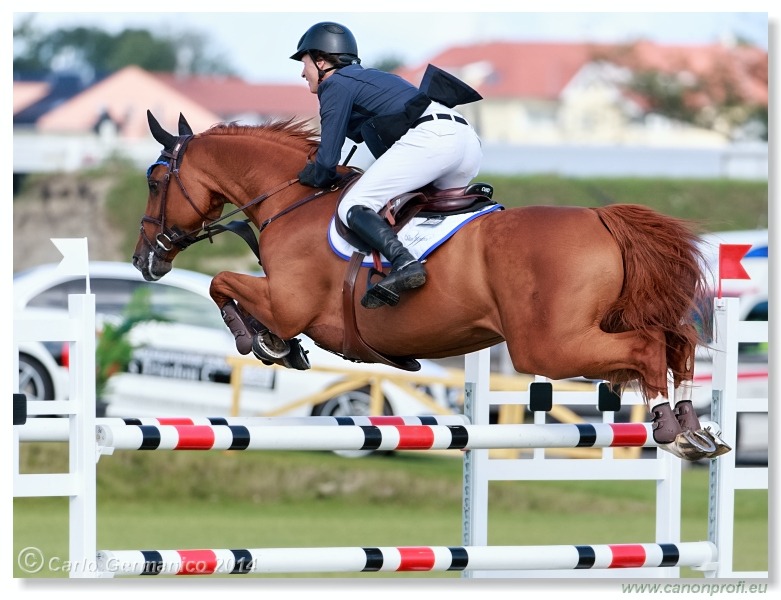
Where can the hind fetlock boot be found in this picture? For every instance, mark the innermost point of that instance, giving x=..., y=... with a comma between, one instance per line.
x=406, y=272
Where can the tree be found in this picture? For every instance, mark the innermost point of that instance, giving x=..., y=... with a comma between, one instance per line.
x=90, y=48
x=714, y=87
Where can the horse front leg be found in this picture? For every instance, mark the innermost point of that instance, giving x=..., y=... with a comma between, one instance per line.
x=245, y=306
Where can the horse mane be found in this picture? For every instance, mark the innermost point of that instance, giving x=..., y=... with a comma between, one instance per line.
x=284, y=131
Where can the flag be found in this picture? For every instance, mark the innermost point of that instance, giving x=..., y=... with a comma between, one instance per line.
x=730, y=256
x=75, y=261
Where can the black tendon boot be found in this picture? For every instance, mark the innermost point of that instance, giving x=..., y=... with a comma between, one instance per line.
x=406, y=272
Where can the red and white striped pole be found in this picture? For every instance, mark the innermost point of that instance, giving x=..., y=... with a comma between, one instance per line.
x=374, y=437
x=700, y=555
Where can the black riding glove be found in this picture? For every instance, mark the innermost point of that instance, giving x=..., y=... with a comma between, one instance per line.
x=309, y=176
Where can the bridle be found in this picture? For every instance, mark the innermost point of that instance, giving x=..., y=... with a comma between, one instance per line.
x=169, y=237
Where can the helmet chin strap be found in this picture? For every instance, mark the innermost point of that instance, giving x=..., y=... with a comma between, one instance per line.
x=322, y=73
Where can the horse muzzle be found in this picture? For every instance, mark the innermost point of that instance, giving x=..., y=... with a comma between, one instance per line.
x=151, y=266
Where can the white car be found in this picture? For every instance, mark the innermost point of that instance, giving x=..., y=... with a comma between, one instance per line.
x=40, y=376
x=179, y=365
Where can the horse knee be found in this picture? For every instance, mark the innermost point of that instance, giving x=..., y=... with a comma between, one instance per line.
x=217, y=290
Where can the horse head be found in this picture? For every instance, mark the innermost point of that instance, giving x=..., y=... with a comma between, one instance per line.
x=168, y=225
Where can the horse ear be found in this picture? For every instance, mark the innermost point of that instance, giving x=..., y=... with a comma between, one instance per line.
x=168, y=140
x=184, y=126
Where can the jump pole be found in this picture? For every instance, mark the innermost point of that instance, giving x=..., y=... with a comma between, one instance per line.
x=399, y=559
x=372, y=437
x=56, y=430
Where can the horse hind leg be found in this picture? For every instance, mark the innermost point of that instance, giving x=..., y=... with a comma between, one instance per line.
x=665, y=425
x=699, y=439
x=632, y=355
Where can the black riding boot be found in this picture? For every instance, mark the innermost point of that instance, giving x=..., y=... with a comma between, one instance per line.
x=406, y=272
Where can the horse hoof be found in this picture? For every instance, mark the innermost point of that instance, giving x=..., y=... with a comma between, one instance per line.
x=714, y=440
x=267, y=346
x=696, y=445
x=297, y=358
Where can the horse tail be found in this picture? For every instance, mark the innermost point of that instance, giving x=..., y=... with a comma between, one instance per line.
x=665, y=283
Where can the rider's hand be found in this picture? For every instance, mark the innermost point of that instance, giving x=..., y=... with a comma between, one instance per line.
x=307, y=175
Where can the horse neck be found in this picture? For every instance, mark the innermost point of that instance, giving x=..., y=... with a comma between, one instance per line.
x=245, y=170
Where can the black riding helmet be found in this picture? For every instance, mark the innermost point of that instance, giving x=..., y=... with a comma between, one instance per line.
x=331, y=38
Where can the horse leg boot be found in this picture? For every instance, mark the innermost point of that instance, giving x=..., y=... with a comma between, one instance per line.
x=704, y=439
x=271, y=349
x=667, y=431
x=252, y=336
x=406, y=272
x=241, y=330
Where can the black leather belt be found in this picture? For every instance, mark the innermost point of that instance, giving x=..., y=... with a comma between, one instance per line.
x=439, y=116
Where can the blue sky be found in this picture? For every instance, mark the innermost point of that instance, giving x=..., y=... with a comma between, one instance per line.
x=258, y=42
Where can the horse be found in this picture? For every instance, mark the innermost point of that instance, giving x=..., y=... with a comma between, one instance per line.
x=611, y=293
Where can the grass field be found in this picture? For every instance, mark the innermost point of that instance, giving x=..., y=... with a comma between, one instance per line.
x=162, y=500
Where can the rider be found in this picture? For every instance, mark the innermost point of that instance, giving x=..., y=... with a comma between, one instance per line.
x=415, y=139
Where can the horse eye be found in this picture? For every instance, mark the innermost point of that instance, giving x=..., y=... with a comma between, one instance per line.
x=153, y=185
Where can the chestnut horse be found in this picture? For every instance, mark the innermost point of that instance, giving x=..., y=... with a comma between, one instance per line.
x=606, y=293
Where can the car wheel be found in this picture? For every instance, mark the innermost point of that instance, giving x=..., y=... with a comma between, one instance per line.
x=354, y=403
x=34, y=380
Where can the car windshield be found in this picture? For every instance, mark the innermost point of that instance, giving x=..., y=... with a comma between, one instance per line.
x=112, y=296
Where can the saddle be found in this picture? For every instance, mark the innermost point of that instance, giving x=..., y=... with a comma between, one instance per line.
x=424, y=202
x=427, y=201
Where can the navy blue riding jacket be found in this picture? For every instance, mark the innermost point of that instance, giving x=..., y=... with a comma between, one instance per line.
x=348, y=98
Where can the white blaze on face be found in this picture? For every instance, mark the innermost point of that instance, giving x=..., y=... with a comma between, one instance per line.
x=151, y=263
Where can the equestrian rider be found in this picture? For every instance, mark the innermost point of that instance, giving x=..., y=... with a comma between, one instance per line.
x=416, y=141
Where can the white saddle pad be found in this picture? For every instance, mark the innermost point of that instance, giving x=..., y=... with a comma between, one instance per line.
x=421, y=236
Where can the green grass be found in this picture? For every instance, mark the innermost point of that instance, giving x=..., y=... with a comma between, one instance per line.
x=717, y=204
x=170, y=500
